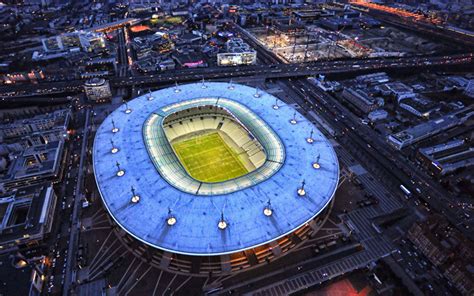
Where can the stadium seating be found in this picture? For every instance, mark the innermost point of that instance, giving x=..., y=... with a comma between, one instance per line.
x=193, y=121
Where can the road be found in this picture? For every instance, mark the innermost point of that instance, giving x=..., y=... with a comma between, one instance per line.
x=75, y=227
x=262, y=71
x=122, y=67
x=59, y=239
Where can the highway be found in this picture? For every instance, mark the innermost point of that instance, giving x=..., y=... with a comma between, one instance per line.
x=263, y=71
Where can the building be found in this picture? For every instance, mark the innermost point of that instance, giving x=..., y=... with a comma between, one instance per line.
x=54, y=121
x=98, y=90
x=454, y=83
x=369, y=22
x=308, y=15
x=423, y=237
x=147, y=65
x=167, y=64
x=378, y=114
x=22, y=275
x=190, y=59
x=33, y=76
x=447, y=157
x=360, y=99
x=101, y=63
x=424, y=130
x=447, y=249
x=336, y=24
x=42, y=3
x=190, y=227
x=36, y=162
x=237, y=53
x=189, y=38
x=460, y=277
x=325, y=85
x=83, y=40
x=373, y=78
x=469, y=91
x=398, y=90
x=32, y=149
x=418, y=106
x=26, y=216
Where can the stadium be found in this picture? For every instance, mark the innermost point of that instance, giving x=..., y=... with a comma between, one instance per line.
x=212, y=177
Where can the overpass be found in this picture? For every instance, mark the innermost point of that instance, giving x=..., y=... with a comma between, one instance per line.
x=259, y=71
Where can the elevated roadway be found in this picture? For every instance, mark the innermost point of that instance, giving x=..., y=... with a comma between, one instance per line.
x=261, y=71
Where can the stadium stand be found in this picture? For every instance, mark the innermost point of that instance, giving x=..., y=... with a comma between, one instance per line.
x=194, y=121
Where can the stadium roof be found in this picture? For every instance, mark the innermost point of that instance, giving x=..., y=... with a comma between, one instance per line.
x=195, y=231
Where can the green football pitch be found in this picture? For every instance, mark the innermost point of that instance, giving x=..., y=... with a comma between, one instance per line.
x=208, y=158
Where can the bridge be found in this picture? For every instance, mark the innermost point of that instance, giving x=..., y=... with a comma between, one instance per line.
x=269, y=71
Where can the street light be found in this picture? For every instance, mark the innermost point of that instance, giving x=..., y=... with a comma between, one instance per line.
x=120, y=172
x=127, y=109
x=135, y=197
x=276, y=107
x=316, y=164
x=310, y=139
x=301, y=191
x=171, y=220
x=231, y=86
x=293, y=120
x=114, y=149
x=114, y=128
x=268, y=211
x=257, y=93
x=222, y=224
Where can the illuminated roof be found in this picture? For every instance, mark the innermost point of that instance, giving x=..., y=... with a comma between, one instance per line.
x=167, y=216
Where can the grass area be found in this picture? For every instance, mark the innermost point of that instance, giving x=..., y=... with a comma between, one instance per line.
x=208, y=158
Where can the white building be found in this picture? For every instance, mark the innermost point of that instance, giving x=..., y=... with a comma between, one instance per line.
x=97, y=90
x=237, y=53
x=427, y=129
x=469, y=91
x=87, y=41
x=379, y=114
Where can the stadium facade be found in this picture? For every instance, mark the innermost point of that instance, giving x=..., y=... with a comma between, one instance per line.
x=212, y=177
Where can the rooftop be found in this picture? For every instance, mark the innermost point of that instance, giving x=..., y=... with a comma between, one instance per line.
x=432, y=127
x=195, y=230
x=25, y=214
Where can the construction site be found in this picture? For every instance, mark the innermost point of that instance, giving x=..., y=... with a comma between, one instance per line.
x=331, y=39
